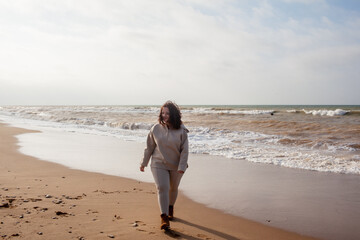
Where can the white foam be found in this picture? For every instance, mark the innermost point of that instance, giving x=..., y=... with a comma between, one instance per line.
x=230, y=111
x=291, y=111
x=324, y=112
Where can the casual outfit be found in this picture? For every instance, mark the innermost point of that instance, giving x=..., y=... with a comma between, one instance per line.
x=168, y=150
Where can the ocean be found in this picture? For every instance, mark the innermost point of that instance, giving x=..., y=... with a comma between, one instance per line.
x=321, y=138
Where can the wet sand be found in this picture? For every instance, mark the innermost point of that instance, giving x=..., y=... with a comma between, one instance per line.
x=43, y=200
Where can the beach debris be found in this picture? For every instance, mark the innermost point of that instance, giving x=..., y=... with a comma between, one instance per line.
x=15, y=235
x=21, y=216
x=111, y=236
x=138, y=223
x=58, y=201
x=40, y=233
x=48, y=196
x=33, y=200
x=117, y=217
x=60, y=213
x=42, y=209
x=81, y=238
x=268, y=220
x=75, y=198
x=4, y=205
x=5, y=189
x=11, y=199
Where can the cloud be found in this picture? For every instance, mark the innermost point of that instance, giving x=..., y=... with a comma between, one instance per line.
x=197, y=52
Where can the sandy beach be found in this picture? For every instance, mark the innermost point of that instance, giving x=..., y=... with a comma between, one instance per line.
x=42, y=200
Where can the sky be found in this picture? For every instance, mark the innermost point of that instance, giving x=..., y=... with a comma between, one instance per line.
x=194, y=52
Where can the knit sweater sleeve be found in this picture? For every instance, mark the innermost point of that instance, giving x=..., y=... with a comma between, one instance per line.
x=184, y=151
x=150, y=146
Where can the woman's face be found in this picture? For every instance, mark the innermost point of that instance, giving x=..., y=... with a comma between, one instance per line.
x=165, y=114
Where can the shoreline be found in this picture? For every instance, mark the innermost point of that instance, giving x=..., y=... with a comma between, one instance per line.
x=93, y=205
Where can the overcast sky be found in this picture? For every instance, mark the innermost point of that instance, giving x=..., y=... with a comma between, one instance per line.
x=189, y=51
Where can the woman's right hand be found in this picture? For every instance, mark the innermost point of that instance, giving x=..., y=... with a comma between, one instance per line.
x=142, y=168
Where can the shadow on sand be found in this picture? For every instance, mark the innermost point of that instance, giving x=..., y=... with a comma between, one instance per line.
x=175, y=234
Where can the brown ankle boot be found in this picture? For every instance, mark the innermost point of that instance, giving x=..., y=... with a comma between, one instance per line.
x=171, y=213
x=165, y=224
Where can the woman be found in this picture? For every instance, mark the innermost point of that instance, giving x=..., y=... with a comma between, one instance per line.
x=167, y=145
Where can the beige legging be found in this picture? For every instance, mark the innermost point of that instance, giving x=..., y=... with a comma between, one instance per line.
x=167, y=183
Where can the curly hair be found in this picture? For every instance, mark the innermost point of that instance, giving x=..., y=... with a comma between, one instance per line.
x=175, y=114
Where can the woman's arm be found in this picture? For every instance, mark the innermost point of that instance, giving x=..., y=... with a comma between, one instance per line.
x=184, y=153
x=150, y=146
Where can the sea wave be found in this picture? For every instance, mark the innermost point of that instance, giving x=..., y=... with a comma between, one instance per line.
x=300, y=151
x=48, y=111
x=324, y=112
x=292, y=111
x=201, y=110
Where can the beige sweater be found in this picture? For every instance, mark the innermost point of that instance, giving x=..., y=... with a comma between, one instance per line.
x=169, y=148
